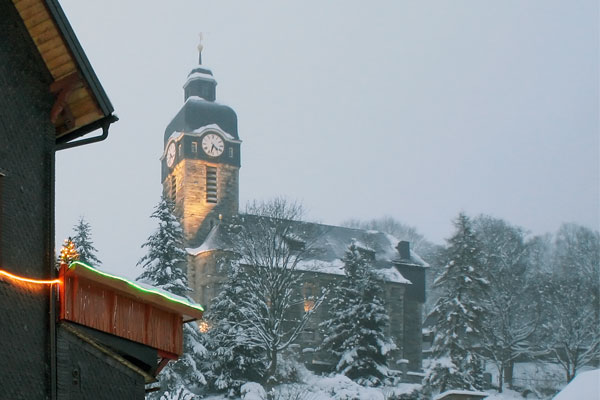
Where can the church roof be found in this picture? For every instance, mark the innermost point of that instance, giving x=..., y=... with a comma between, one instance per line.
x=198, y=112
x=326, y=248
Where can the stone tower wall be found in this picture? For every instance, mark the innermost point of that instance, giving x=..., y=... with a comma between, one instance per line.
x=197, y=215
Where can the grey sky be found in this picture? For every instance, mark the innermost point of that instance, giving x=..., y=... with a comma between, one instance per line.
x=407, y=109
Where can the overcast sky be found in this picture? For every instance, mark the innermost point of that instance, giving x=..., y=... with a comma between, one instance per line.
x=357, y=109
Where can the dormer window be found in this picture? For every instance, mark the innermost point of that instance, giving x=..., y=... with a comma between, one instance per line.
x=295, y=243
x=367, y=254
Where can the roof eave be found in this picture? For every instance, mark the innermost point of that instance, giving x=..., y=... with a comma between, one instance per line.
x=80, y=58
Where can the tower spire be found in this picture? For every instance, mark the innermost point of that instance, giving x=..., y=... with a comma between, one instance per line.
x=200, y=47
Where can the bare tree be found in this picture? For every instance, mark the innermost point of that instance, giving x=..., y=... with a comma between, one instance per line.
x=397, y=229
x=510, y=318
x=577, y=253
x=271, y=240
x=571, y=335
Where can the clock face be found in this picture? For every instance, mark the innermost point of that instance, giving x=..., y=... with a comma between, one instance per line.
x=213, y=145
x=171, y=155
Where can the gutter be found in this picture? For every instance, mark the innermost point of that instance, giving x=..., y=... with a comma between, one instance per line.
x=64, y=142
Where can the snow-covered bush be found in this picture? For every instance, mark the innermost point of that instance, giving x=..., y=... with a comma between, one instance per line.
x=253, y=391
x=288, y=367
x=179, y=394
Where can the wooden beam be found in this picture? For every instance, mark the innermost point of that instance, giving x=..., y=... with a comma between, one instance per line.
x=63, y=89
x=163, y=363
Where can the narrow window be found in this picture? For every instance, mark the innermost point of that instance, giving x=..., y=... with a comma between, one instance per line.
x=194, y=147
x=231, y=152
x=211, y=184
x=309, y=290
x=180, y=150
x=173, y=188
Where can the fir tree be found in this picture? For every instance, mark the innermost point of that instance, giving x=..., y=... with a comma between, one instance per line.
x=359, y=320
x=164, y=264
x=83, y=243
x=458, y=312
x=184, y=376
x=235, y=356
x=164, y=268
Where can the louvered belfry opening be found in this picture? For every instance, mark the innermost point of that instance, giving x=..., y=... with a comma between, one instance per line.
x=173, y=188
x=211, y=184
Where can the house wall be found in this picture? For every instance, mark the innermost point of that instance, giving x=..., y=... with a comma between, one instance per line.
x=26, y=231
x=87, y=373
x=27, y=140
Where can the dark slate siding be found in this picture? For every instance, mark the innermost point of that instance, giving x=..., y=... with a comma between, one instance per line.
x=87, y=373
x=413, y=342
x=26, y=236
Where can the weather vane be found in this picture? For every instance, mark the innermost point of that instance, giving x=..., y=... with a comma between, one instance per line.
x=200, y=47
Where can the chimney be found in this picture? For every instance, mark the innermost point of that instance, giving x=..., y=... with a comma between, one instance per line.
x=404, y=250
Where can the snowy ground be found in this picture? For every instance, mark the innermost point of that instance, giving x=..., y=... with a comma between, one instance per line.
x=338, y=387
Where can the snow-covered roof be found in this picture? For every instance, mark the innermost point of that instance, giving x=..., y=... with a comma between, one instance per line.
x=586, y=385
x=197, y=112
x=144, y=290
x=199, y=131
x=199, y=75
x=330, y=246
x=461, y=392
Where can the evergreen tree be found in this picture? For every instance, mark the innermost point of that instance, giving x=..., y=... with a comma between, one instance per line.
x=164, y=268
x=359, y=320
x=458, y=312
x=164, y=264
x=235, y=356
x=83, y=243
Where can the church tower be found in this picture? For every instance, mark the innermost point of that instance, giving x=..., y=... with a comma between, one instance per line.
x=201, y=158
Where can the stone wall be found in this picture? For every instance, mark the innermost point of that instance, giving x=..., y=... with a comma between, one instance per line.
x=198, y=215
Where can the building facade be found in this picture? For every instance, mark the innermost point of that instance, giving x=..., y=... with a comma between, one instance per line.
x=200, y=172
x=51, y=99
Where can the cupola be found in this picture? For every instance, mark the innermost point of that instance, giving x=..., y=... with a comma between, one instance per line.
x=200, y=83
x=200, y=108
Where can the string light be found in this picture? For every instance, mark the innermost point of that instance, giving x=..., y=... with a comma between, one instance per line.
x=29, y=280
x=68, y=252
x=136, y=286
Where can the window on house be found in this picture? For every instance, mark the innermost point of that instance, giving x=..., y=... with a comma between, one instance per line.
x=309, y=290
x=173, y=188
x=211, y=184
x=194, y=147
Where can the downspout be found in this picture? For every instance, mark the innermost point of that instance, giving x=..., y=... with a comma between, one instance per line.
x=52, y=273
